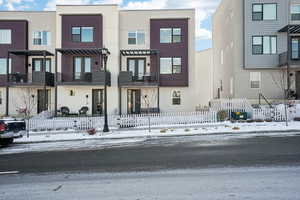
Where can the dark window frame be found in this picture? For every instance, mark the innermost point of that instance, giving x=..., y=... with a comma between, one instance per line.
x=172, y=64
x=298, y=38
x=262, y=12
x=293, y=18
x=80, y=34
x=41, y=59
x=172, y=35
x=262, y=45
x=82, y=67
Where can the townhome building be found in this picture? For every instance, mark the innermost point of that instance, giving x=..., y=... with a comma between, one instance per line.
x=256, y=49
x=55, y=61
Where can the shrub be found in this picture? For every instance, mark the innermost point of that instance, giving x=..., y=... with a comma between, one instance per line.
x=187, y=130
x=236, y=128
x=163, y=130
x=222, y=115
x=269, y=120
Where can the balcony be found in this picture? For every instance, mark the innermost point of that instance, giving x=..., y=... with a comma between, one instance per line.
x=95, y=78
x=34, y=79
x=126, y=78
x=283, y=59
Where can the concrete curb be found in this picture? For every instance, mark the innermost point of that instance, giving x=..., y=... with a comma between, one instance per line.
x=165, y=136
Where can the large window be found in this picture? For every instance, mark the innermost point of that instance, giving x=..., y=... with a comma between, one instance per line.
x=295, y=12
x=264, y=45
x=176, y=97
x=82, y=65
x=5, y=36
x=3, y=65
x=136, y=37
x=295, y=48
x=170, y=65
x=82, y=34
x=170, y=35
x=266, y=11
x=255, y=80
x=41, y=38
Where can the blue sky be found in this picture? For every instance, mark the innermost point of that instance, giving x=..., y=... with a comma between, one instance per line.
x=204, y=10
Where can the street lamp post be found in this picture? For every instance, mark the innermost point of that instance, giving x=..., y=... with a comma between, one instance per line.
x=105, y=128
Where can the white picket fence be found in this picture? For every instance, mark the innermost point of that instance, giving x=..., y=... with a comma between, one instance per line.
x=123, y=121
x=274, y=114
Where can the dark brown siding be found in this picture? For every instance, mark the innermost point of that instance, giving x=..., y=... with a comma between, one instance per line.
x=69, y=21
x=19, y=40
x=171, y=50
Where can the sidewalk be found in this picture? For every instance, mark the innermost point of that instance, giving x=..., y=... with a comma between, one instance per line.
x=226, y=128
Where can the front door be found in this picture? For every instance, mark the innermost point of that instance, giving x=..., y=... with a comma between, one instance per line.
x=42, y=101
x=137, y=67
x=37, y=64
x=134, y=101
x=97, y=107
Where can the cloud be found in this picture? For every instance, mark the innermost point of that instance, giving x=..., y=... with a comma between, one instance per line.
x=16, y=4
x=51, y=5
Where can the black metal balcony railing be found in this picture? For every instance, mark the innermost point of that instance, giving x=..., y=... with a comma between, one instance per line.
x=283, y=59
x=126, y=78
x=95, y=78
x=36, y=78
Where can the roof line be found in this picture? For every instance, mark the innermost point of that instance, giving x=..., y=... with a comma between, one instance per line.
x=164, y=9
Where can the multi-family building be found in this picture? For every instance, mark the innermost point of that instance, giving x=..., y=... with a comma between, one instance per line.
x=252, y=48
x=53, y=60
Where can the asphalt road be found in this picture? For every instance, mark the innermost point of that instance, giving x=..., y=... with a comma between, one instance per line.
x=280, y=183
x=162, y=154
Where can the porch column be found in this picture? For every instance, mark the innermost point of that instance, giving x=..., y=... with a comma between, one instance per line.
x=7, y=86
x=45, y=89
x=120, y=89
x=158, y=79
x=55, y=84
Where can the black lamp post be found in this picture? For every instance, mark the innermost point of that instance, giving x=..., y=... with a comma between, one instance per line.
x=105, y=128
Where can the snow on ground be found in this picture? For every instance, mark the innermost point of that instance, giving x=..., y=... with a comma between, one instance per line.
x=220, y=128
x=80, y=140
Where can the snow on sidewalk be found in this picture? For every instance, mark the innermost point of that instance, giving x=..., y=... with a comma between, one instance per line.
x=223, y=128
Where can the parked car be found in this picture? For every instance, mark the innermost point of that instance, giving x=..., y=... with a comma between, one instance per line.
x=11, y=129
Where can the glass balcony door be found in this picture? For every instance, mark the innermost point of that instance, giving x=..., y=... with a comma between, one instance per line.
x=295, y=41
x=82, y=66
x=138, y=67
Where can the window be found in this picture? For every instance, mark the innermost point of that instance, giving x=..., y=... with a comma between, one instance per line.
x=38, y=62
x=295, y=48
x=176, y=98
x=41, y=38
x=3, y=65
x=266, y=11
x=82, y=34
x=170, y=65
x=255, y=79
x=136, y=37
x=264, y=45
x=5, y=36
x=170, y=35
x=295, y=12
x=82, y=65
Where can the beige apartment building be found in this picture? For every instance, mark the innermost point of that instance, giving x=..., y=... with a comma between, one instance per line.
x=55, y=61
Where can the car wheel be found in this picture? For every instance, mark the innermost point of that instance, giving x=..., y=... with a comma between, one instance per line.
x=6, y=141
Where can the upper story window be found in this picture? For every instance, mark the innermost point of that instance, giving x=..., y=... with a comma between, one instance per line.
x=170, y=65
x=295, y=12
x=41, y=38
x=170, y=35
x=136, y=37
x=3, y=66
x=83, y=34
x=5, y=36
x=266, y=11
x=264, y=45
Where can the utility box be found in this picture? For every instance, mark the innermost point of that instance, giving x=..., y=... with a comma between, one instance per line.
x=239, y=115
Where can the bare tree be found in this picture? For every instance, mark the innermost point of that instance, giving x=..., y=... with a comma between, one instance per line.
x=149, y=99
x=27, y=102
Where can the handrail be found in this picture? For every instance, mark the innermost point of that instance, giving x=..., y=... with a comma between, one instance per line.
x=265, y=99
